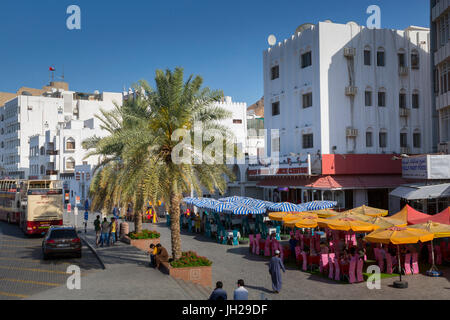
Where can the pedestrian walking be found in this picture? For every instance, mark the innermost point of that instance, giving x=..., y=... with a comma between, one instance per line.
x=274, y=269
x=161, y=256
x=105, y=232
x=240, y=293
x=218, y=293
x=98, y=230
x=112, y=231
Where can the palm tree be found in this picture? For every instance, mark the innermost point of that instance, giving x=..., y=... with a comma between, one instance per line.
x=144, y=141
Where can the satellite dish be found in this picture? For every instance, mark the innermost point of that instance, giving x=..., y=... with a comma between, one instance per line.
x=272, y=40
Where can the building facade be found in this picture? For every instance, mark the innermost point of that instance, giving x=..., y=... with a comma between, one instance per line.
x=345, y=91
x=440, y=61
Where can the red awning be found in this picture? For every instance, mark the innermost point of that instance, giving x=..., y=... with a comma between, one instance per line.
x=443, y=217
x=337, y=182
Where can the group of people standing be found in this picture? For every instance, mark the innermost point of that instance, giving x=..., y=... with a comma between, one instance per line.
x=106, y=232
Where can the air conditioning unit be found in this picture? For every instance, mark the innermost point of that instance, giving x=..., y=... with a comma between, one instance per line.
x=403, y=71
x=29, y=108
x=405, y=150
x=349, y=52
x=351, y=91
x=351, y=133
x=404, y=112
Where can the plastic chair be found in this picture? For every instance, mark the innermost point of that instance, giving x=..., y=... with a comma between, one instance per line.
x=359, y=270
x=256, y=248
x=407, y=264
x=251, y=244
x=388, y=263
x=278, y=233
x=337, y=269
x=415, y=263
x=267, y=247
x=298, y=254
x=305, y=261
x=352, y=270
x=323, y=266
x=235, y=238
x=331, y=265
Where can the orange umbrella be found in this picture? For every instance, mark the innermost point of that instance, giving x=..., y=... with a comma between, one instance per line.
x=303, y=220
x=369, y=211
x=348, y=224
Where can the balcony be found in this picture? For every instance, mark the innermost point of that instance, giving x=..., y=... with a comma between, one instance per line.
x=351, y=91
x=51, y=172
x=52, y=152
x=349, y=52
x=351, y=133
x=403, y=71
x=404, y=112
x=444, y=147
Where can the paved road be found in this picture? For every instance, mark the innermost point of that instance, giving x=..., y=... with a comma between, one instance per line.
x=24, y=273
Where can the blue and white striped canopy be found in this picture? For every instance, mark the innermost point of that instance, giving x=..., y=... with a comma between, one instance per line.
x=245, y=210
x=224, y=207
x=319, y=205
x=232, y=199
x=286, y=207
x=188, y=200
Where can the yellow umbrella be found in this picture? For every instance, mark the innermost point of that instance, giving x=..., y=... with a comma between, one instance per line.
x=302, y=220
x=399, y=235
x=382, y=222
x=279, y=216
x=325, y=213
x=347, y=224
x=369, y=211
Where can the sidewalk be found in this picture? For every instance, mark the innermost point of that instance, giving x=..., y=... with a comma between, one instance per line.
x=127, y=276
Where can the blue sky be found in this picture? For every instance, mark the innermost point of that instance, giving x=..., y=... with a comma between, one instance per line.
x=124, y=41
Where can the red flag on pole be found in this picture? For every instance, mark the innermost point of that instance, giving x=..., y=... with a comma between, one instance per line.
x=52, y=69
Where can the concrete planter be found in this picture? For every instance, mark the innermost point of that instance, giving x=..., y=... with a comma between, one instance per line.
x=142, y=244
x=197, y=275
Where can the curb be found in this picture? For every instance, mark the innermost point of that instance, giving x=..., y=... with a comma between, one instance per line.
x=94, y=252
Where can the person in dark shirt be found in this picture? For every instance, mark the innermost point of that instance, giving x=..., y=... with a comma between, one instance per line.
x=218, y=293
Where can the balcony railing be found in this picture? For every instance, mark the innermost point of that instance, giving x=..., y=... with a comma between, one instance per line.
x=51, y=172
x=52, y=152
x=403, y=71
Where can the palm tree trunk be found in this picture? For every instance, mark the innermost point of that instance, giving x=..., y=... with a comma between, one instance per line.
x=175, y=223
x=137, y=220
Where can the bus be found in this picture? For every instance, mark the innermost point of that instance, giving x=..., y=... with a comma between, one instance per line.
x=34, y=205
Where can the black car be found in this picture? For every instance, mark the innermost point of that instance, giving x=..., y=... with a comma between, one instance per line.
x=61, y=240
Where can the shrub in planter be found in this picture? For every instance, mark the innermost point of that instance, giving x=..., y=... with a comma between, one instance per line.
x=145, y=234
x=190, y=259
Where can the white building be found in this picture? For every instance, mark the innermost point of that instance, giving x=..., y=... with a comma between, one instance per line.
x=27, y=115
x=343, y=88
x=58, y=154
x=440, y=56
x=343, y=91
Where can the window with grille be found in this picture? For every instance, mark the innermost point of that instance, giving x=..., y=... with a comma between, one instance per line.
x=416, y=140
x=402, y=100
x=369, y=140
x=415, y=100
x=368, y=98
x=381, y=59
x=367, y=58
x=275, y=108
x=306, y=59
x=307, y=100
x=383, y=139
x=275, y=72
x=403, y=140
x=382, y=99
x=308, y=142
x=415, y=62
x=401, y=60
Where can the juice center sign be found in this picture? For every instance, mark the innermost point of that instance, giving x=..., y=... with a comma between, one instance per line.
x=426, y=167
x=415, y=168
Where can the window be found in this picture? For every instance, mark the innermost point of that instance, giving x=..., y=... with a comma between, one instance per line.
x=275, y=72
x=369, y=140
x=415, y=61
x=308, y=142
x=383, y=139
x=70, y=164
x=306, y=59
x=368, y=98
x=401, y=60
x=382, y=99
x=275, y=108
x=70, y=144
x=415, y=100
x=402, y=100
x=403, y=140
x=367, y=57
x=307, y=100
x=237, y=121
x=42, y=151
x=416, y=140
x=380, y=59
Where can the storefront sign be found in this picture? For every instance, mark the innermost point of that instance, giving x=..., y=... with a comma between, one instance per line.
x=426, y=167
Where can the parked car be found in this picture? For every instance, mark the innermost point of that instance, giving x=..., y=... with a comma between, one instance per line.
x=61, y=240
